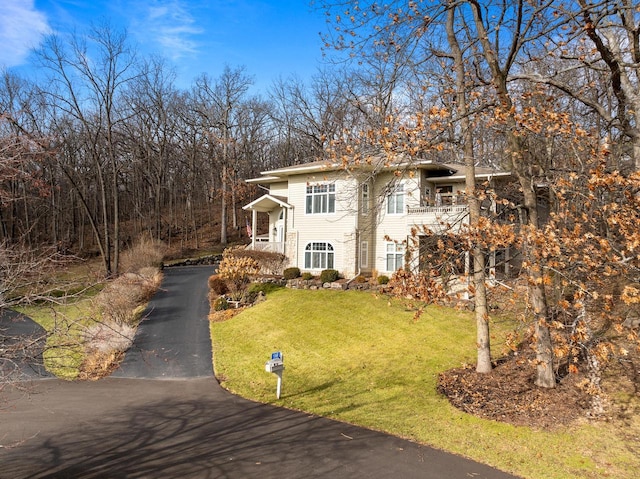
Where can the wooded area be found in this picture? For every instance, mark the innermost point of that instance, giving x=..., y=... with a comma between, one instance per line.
x=103, y=146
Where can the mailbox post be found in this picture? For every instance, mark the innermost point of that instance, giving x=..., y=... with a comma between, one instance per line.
x=276, y=365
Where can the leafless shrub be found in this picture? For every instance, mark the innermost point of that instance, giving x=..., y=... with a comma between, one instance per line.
x=119, y=301
x=145, y=252
x=217, y=285
x=269, y=262
x=237, y=269
x=106, y=337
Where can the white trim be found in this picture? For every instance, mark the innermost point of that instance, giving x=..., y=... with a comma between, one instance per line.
x=270, y=203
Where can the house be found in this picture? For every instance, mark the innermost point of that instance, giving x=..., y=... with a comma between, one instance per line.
x=357, y=219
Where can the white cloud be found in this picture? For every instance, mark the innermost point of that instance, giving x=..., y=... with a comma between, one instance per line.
x=21, y=29
x=171, y=25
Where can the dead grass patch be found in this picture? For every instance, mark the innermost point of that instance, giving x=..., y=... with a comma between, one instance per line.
x=145, y=252
x=224, y=315
x=99, y=364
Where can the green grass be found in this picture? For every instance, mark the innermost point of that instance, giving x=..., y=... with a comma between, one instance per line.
x=357, y=358
x=64, y=323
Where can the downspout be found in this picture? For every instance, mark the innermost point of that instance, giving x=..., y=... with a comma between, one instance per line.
x=358, y=268
x=285, y=229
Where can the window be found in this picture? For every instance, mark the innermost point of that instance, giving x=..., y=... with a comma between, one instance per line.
x=318, y=256
x=321, y=199
x=395, y=256
x=395, y=200
x=365, y=199
x=364, y=254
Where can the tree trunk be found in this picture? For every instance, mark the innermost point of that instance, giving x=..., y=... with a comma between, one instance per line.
x=223, y=208
x=483, y=341
x=519, y=166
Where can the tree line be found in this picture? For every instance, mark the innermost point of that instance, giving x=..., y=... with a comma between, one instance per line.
x=102, y=146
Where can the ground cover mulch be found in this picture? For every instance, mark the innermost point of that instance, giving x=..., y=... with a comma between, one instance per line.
x=508, y=394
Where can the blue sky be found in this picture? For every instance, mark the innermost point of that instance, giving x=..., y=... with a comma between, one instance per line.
x=271, y=38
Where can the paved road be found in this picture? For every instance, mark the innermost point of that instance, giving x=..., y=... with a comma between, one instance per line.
x=20, y=364
x=164, y=427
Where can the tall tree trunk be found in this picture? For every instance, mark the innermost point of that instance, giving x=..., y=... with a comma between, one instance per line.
x=225, y=159
x=483, y=341
x=223, y=208
x=545, y=376
x=517, y=156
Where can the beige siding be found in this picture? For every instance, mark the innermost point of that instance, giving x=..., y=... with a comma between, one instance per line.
x=336, y=228
x=348, y=228
x=279, y=189
x=393, y=226
x=397, y=227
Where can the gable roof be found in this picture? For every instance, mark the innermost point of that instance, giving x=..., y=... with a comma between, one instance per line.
x=267, y=203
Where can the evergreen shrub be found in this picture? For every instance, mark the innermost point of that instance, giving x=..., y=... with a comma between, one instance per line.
x=329, y=275
x=291, y=273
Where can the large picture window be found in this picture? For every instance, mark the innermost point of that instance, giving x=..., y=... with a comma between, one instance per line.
x=321, y=199
x=395, y=200
x=395, y=256
x=318, y=255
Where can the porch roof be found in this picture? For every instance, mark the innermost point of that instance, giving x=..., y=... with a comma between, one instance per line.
x=267, y=203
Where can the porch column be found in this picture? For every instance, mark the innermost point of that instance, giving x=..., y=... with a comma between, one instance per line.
x=284, y=231
x=254, y=226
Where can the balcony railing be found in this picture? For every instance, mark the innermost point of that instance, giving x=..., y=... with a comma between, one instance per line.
x=437, y=210
x=271, y=246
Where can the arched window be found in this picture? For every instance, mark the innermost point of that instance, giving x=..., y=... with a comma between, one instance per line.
x=318, y=255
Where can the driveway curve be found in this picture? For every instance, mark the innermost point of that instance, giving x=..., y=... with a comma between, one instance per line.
x=171, y=425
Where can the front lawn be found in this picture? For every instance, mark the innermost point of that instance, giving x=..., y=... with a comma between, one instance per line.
x=359, y=358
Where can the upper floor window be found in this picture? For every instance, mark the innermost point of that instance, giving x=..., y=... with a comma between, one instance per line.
x=321, y=199
x=318, y=255
x=365, y=199
x=395, y=200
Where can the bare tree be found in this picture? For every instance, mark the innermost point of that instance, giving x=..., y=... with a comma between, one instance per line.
x=217, y=104
x=595, y=60
x=310, y=117
x=88, y=75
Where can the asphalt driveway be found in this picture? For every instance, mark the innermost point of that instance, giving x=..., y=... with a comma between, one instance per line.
x=179, y=423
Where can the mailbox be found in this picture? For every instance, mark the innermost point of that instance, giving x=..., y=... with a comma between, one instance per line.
x=274, y=366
